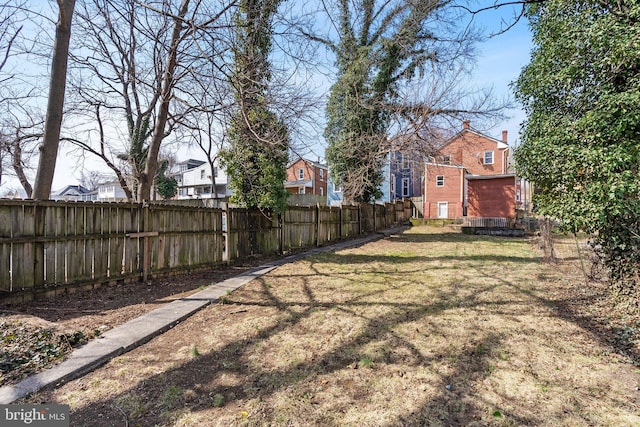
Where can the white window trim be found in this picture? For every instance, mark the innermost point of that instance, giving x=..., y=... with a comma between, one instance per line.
x=405, y=187
x=439, y=180
x=300, y=190
x=321, y=174
x=484, y=158
x=300, y=173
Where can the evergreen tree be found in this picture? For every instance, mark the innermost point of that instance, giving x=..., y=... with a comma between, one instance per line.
x=581, y=140
x=166, y=186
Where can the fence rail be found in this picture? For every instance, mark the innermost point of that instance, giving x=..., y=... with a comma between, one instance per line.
x=489, y=222
x=52, y=246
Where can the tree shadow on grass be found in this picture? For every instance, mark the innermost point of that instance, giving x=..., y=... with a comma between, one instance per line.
x=449, y=237
x=234, y=359
x=455, y=405
x=349, y=259
x=574, y=308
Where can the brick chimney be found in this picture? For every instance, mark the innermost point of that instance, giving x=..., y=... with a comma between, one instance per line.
x=466, y=124
x=504, y=136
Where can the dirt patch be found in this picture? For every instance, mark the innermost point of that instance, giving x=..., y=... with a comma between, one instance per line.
x=426, y=328
x=36, y=335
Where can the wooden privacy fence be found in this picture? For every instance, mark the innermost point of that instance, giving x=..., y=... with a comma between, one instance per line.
x=48, y=247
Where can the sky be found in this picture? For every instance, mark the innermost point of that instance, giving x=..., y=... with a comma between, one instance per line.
x=499, y=63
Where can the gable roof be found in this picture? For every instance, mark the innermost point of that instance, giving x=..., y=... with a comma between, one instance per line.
x=191, y=163
x=316, y=164
x=72, y=189
x=501, y=145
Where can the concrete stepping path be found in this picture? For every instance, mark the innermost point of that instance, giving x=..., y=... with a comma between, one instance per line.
x=136, y=332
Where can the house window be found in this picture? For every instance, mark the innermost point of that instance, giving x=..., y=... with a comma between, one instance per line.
x=201, y=173
x=405, y=187
x=488, y=157
x=337, y=188
x=215, y=171
x=321, y=191
x=300, y=190
x=393, y=185
x=517, y=195
x=440, y=181
x=321, y=174
x=446, y=159
x=301, y=174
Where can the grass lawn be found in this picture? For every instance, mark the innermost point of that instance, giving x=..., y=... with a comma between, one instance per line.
x=427, y=328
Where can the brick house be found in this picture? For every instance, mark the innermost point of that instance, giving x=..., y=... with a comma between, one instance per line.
x=445, y=191
x=307, y=177
x=470, y=176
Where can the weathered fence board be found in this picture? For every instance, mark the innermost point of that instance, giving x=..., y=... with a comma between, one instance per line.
x=329, y=224
x=350, y=224
x=367, y=216
x=299, y=227
x=52, y=245
x=265, y=232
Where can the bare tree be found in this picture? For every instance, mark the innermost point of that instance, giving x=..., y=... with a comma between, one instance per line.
x=10, y=28
x=168, y=82
x=19, y=143
x=116, y=83
x=385, y=51
x=55, y=105
x=91, y=180
x=144, y=79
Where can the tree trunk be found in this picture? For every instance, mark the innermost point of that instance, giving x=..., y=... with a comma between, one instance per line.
x=55, y=105
x=148, y=176
x=16, y=162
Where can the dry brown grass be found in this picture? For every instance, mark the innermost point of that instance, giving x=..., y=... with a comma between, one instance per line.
x=430, y=327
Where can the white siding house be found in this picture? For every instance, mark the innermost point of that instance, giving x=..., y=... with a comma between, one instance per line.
x=197, y=182
x=111, y=192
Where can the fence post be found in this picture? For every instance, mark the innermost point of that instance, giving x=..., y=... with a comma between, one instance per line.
x=224, y=217
x=375, y=228
x=281, y=234
x=146, y=236
x=39, y=213
x=317, y=224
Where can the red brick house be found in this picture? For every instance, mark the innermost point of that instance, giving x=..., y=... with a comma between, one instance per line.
x=307, y=177
x=470, y=176
x=445, y=189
